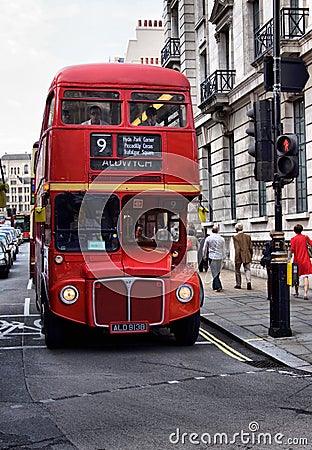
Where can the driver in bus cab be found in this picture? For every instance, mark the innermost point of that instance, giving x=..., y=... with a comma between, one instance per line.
x=151, y=117
x=139, y=236
x=95, y=117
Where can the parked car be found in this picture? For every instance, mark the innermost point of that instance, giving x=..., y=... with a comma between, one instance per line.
x=4, y=262
x=9, y=249
x=19, y=236
x=13, y=246
x=12, y=230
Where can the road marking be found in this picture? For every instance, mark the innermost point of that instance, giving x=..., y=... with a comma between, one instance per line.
x=254, y=339
x=29, y=284
x=18, y=315
x=26, y=306
x=8, y=328
x=22, y=347
x=223, y=346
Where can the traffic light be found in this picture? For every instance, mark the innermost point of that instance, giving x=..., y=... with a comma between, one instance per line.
x=32, y=193
x=261, y=148
x=287, y=156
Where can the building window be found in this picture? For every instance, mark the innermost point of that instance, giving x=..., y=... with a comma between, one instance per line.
x=256, y=25
x=206, y=180
x=232, y=177
x=201, y=5
x=209, y=184
x=262, y=199
x=301, y=181
x=26, y=169
x=203, y=66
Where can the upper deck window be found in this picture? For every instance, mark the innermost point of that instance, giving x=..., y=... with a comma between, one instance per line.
x=157, y=109
x=79, y=108
x=92, y=94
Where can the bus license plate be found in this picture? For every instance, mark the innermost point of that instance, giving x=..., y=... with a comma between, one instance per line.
x=128, y=327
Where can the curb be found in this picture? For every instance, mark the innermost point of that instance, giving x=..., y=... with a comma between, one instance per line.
x=256, y=343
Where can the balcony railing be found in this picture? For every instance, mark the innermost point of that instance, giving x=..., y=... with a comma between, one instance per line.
x=170, y=50
x=220, y=82
x=293, y=25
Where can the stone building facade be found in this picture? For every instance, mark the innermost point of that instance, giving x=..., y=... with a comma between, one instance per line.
x=17, y=174
x=146, y=47
x=220, y=46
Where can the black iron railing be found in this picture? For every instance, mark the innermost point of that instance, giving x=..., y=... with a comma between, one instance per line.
x=293, y=25
x=170, y=50
x=264, y=39
x=294, y=22
x=220, y=82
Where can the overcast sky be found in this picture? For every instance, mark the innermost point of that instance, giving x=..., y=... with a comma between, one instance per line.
x=39, y=37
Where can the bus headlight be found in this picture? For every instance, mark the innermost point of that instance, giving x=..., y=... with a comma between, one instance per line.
x=184, y=293
x=69, y=294
x=58, y=259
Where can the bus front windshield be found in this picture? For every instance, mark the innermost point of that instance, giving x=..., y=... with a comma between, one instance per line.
x=94, y=222
x=86, y=222
x=149, y=221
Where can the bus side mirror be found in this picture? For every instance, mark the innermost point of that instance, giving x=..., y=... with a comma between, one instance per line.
x=40, y=214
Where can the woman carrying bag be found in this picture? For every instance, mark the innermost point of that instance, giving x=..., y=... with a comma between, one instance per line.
x=299, y=249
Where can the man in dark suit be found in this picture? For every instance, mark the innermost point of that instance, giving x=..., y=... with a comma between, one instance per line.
x=243, y=255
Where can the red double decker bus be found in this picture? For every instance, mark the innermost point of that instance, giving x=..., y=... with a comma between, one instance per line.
x=115, y=171
x=22, y=221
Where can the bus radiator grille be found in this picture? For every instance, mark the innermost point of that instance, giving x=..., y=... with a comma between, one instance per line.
x=128, y=299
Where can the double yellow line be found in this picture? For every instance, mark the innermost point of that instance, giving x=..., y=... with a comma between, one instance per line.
x=223, y=346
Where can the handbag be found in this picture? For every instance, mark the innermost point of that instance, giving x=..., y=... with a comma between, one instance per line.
x=265, y=260
x=309, y=247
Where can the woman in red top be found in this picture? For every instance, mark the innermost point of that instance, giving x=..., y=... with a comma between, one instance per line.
x=298, y=247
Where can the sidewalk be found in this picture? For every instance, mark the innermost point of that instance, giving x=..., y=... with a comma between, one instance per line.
x=246, y=316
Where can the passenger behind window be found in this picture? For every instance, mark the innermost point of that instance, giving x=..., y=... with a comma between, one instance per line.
x=66, y=116
x=151, y=117
x=95, y=117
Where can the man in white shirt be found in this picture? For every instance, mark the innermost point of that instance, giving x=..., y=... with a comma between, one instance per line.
x=95, y=117
x=214, y=250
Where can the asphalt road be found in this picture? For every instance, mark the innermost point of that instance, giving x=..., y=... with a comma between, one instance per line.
x=140, y=392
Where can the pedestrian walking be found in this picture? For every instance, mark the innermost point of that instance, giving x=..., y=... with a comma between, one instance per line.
x=299, y=250
x=266, y=261
x=192, y=248
x=243, y=255
x=202, y=264
x=214, y=251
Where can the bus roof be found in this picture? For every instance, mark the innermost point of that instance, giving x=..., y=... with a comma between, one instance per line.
x=119, y=74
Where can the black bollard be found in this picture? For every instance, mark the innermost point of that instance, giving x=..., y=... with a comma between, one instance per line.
x=279, y=304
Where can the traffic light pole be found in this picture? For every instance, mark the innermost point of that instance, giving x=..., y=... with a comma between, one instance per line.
x=279, y=305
